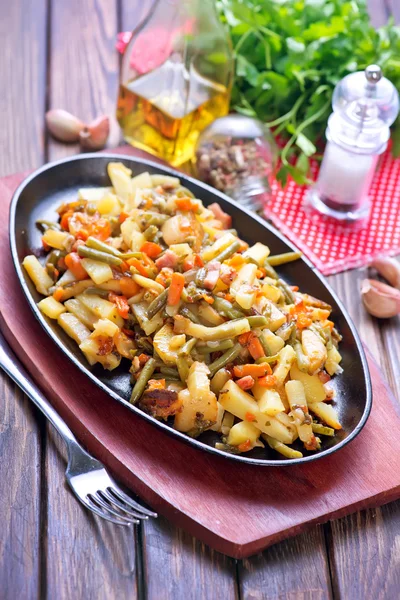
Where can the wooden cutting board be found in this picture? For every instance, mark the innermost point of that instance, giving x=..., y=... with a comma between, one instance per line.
x=236, y=509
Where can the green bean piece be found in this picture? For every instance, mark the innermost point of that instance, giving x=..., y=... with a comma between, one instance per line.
x=186, y=312
x=104, y=257
x=187, y=348
x=257, y=321
x=322, y=429
x=281, y=448
x=169, y=371
x=267, y=359
x=53, y=258
x=218, y=347
x=226, y=309
x=285, y=331
x=183, y=368
x=287, y=292
x=228, y=357
x=150, y=233
x=190, y=275
x=302, y=360
x=127, y=255
x=219, y=380
x=270, y=271
x=92, y=242
x=158, y=303
x=52, y=271
x=200, y=277
x=94, y=291
x=281, y=259
x=227, y=253
x=142, y=380
x=48, y=224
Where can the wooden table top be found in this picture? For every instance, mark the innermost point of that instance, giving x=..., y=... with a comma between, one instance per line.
x=61, y=54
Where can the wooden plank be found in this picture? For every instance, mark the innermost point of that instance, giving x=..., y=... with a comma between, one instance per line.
x=85, y=556
x=296, y=569
x=84, y=64
x=179, y=566
x=367, y=537
x=22, y=68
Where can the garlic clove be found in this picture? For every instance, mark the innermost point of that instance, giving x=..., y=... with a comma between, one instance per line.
x=94, y=136
x=389, y=268
x=63, y=125
x=380, y=300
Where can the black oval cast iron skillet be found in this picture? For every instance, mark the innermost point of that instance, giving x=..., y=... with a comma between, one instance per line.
x=42, y=192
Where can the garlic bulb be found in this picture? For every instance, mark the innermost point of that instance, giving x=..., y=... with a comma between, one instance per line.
x=389, y=268
x=94, y=136
x=63, y=125
x=380, y=300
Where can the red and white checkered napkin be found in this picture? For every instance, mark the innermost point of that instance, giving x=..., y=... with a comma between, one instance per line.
x=333, y=247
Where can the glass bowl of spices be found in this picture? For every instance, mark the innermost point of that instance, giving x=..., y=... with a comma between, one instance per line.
x=237, y=155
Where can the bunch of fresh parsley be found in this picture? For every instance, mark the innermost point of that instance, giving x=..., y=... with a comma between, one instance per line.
x=290, y=54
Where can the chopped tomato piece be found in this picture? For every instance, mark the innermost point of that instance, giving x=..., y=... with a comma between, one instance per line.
x=121, y=303
x=73, y=262
x=151, y=249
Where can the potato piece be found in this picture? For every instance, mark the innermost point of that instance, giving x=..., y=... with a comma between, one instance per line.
x=313, y=386
x=90, y=348
x=149, y=326
x=121, y=180
x=109, y=205
x=196, y=415
x=243, y=432
x=297, y=399
x=257, y=253
x=102, y=308
x=271, y=292
x=332, y=362
x=220, y=414
x=75, y=289
x=73, y=327
x=94, y=194
x=105, y=327
x=314, y=349
x=276, y=318
x=78, y=309
x=143, y=180
x=286, y=358
x=167, y=180
x=127, y=227
x=269, y=401
x=61, y=240
x=181, y=250
x=220, y=244
x=98, y=272
x=66, y=278
x=273, y=342
x=51, y=308
x=198, y=385
x=326, y=413
x=162, y=345
x=40, y=278
x=209, y=315
x=241, y=404
x=136, y=241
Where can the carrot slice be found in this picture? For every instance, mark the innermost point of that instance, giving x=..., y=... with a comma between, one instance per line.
x=121, y=303
x=151, y=249
x=269, y=381
x=134, y=262
x=303, y=321
x=249, y=417
x=129, y=287
x=74, y=264
x=123, y=216
x=245, y=446
x=253, y=370
x=58, y=294
x=175, y=289
x=255, y=347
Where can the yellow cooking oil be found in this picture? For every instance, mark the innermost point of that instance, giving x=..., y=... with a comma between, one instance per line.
x=164, y=111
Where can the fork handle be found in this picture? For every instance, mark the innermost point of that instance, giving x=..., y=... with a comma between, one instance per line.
x=12, y=366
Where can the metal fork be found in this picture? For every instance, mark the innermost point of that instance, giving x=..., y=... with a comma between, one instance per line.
x=86, y=476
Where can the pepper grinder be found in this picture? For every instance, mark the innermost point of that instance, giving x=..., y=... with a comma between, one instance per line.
x=365, y=104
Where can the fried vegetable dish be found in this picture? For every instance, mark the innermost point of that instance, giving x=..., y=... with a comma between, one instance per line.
x=213, y=337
